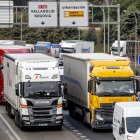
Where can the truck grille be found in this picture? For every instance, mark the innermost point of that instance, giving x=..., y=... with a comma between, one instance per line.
x=45, y=114
x=107, y=111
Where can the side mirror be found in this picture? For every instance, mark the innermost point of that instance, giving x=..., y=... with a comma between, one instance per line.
x=17, y=91
x=121, y=131
x=90, y=83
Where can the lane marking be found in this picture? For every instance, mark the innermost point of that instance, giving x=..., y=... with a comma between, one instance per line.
x=75, y=131
x=9, y=135
x=10, y=128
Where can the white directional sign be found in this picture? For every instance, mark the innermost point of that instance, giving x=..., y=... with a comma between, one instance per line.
x=42, y=14
x=6, y=14
x=73, y=13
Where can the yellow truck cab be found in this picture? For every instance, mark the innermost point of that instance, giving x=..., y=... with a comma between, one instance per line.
x=95, y=82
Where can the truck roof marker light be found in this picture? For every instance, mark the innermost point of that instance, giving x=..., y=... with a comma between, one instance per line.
x=121, y=60
x=113, y=67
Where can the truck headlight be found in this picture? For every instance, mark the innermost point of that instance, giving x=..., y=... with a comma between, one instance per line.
x=129, y=137
x=25, y=118
x=99, y=117
x=59, y=117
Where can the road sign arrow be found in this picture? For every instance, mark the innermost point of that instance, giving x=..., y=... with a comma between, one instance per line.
x=73, y=22
x=42, y=22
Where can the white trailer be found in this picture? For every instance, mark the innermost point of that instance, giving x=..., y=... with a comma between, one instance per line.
x=13, y=42
x=74, y=46
x=32, y=90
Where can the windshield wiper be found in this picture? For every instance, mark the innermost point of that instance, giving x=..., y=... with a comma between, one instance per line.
x=124, y=93
x=105, y=93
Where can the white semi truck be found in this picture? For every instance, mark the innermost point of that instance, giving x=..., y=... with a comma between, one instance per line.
x=76, y=46
x=73, y=46
x=127, y=48
x=32, y=90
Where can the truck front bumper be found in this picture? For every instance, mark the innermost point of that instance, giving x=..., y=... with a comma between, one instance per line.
x=103, y=119
x=40, y=124
x=43, y=122
x=97, y=124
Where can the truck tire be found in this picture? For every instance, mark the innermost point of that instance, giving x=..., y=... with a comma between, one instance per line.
x=5, y=105
x=9, y=110
x=16, y=119
x=21, y=126
x=71, y=109
x=59, y=127
x=84, y=118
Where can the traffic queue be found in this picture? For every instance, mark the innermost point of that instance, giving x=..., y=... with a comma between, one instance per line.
x=93, y=84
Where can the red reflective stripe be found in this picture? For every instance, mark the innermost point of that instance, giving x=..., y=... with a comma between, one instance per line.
x=23, y=105
x=59, y=105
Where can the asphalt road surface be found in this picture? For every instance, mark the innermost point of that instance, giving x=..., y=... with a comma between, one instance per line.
x=72, y=129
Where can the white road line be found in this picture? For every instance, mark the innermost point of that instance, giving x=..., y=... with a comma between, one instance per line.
x=76, y=132
x=10, y=128
x=9, y=135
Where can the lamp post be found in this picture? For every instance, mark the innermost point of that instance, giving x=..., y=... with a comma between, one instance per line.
x=21, y=27
x=104, y=26
x=108, y=18
x=136, y=26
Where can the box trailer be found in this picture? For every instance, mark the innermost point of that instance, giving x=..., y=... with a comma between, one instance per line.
x=95, y=81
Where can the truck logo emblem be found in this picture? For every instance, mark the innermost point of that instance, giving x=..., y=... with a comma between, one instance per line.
x=39, y=76
x=42, y=102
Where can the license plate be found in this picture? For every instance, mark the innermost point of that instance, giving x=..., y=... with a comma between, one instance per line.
x=43, y=124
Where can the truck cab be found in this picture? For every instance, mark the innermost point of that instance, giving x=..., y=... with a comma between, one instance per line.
x=42, y=47
x=114, y=48
x=126, y=120
x=33, y=90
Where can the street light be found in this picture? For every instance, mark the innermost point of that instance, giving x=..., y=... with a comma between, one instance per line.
x=91, y=5
x=108, y=19
x=21, y=29
x=104, y=26
x=136, y=24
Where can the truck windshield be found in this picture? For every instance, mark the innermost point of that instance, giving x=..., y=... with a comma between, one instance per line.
x=41, y=89
x=115, y=49
x=132, y=124
x=66, y=50
x=115, y=88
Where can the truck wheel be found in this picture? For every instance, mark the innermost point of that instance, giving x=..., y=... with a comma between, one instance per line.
x=21, y=126
x=9, y=110
x=84, y=118
x=71, y=109
x=114, y=138
x=16, y=118
x=59, y=127
x=5, y=106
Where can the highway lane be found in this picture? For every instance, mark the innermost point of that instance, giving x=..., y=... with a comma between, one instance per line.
x=31, y=133
x=92, y=135
x=73, y=129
